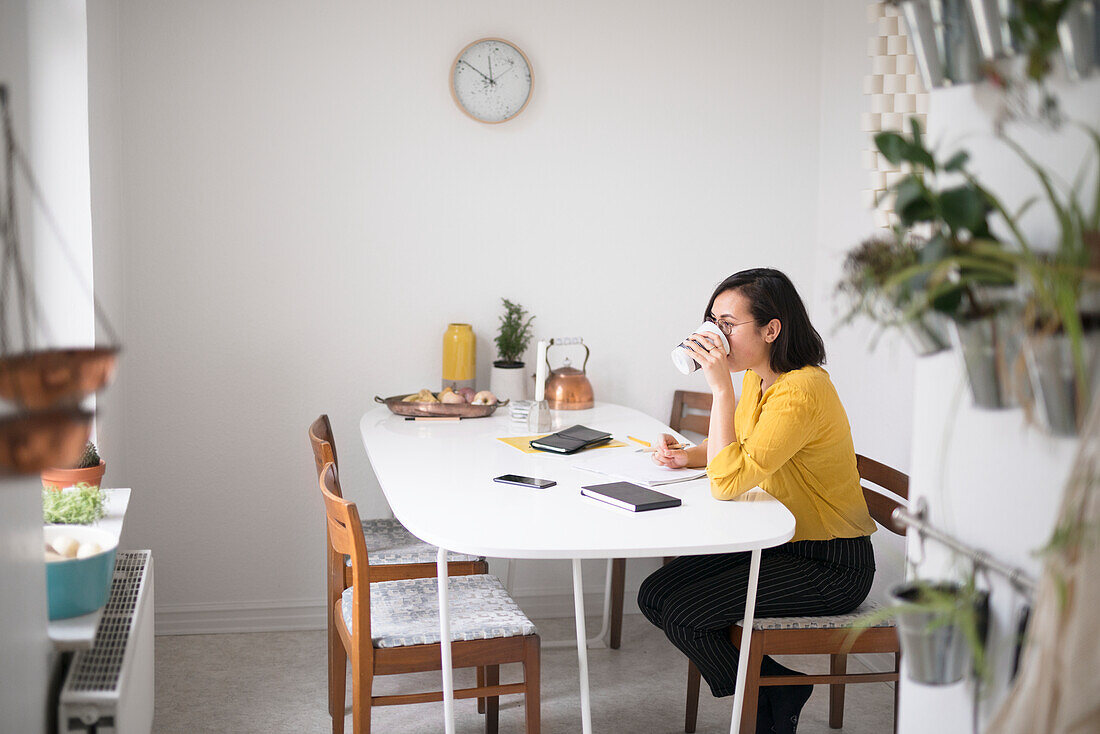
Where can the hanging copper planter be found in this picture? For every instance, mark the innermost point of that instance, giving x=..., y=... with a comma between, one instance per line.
x=55, y=377
x=37, y=440
x=45, y=384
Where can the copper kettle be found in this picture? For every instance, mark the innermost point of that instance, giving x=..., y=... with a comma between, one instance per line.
x=567, y=388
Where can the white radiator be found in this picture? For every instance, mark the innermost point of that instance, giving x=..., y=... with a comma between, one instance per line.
x=109, y=689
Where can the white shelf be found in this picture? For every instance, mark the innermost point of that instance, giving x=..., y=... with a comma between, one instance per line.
x=77, y=633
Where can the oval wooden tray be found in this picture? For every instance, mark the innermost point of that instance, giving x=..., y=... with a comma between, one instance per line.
x=462, y=410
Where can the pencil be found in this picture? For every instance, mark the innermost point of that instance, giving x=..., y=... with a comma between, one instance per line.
x=638, y=440
x=673, y=446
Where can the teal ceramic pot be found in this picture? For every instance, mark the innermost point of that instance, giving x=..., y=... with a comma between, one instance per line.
x=77, y=586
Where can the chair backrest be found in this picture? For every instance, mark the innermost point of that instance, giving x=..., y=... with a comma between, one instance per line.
x=324, y=449
x=345, y=537
x=879, y=505
x=683, y=400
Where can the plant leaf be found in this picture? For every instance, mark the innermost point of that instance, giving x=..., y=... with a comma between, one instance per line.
x=913, y=203
x=893, y=147
x=963, y=208
x=957, y=161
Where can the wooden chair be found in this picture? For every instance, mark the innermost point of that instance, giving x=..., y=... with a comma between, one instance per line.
x=392, y=627
x=394, y=554
x=821, y=635
x=699, y=423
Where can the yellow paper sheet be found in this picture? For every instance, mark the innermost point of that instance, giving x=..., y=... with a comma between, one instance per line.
x=523, y=443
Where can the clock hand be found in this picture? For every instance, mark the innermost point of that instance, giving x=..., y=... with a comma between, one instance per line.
x=464, y=61
x=491, y=80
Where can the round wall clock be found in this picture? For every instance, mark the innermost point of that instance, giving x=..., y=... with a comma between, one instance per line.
x=491, y=80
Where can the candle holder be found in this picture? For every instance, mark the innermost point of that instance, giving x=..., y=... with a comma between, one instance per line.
x=538, y=417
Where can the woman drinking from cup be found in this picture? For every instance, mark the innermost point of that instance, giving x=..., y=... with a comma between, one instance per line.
x=789, y=435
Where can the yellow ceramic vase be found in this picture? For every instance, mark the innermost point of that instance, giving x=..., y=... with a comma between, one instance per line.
x=459, y=363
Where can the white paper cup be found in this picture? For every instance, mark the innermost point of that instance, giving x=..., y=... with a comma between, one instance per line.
x=682, y=356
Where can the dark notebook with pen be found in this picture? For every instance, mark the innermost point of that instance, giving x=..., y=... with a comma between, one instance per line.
x=571, y=440
x=630, y=496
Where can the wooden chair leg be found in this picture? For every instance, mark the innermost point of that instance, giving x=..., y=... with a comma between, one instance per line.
x=480, y=683
x=838, y=665
x=897, y=688
x=360, y=699
x=532, y=705
x=337, y=662
x=492, y=706
x=692, y=708
x=752, y=685
x=618, y=582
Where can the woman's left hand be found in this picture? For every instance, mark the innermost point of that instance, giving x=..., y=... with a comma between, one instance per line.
x=709, y=353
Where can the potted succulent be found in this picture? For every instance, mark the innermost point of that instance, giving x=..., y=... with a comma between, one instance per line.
x=88, y=471
x=957, y=269
x=508, y=380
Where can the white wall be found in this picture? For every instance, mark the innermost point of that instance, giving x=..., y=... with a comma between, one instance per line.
x=989, y=478
x=304, y=210
x=873, y=380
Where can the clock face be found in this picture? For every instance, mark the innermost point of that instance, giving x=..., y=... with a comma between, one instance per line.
x=491, y=80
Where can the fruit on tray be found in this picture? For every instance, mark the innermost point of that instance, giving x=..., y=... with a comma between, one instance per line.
x=484, y=398
x=451, y=397
x=467, y=393
x=424, y=396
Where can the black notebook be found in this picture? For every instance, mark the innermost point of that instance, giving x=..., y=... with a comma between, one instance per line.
x=571, y=440
x=630, y=496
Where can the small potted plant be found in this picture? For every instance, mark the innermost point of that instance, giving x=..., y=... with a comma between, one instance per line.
x=867, y=269
x=508, y=380
x=942, y=626
x=88, y=472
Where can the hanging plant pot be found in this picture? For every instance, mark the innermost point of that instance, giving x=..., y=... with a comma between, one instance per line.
x=992, y=26
x=508, y=381
x=990, y=347
x=31, y=442
x=933, y=641
x=55, y=377
x=927, y=335
x=1053, y=377
x=944, y=42
x=1079, y=37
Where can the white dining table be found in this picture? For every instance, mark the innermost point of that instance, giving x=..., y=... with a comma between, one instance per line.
x=438, y=479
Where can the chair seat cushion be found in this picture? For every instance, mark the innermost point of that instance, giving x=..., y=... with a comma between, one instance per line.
x=835, y=621
x=407, y=612
x=389, y=543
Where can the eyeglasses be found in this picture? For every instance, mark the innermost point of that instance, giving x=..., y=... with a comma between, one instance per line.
x=727, y=327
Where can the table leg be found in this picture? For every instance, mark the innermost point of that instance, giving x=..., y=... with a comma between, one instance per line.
x=445, y=643
x=746, y=632
x=600, y=638
x=582, y=648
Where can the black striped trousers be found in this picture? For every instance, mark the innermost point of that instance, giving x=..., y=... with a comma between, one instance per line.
x=695, y=599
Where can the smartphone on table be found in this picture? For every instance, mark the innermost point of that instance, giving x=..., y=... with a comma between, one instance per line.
x=524, y=481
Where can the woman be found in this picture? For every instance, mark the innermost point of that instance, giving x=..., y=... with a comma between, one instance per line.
x=788, y=435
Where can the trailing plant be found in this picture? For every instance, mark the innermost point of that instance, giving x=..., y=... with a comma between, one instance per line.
x=514, y=334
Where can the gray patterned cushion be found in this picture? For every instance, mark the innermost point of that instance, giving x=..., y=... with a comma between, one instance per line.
x=407, y=612
x=820, y=623
x=388, y=543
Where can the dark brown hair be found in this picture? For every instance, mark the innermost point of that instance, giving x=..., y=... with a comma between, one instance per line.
x=772, y=295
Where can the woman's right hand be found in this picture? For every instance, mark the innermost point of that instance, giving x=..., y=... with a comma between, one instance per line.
x=665, y=456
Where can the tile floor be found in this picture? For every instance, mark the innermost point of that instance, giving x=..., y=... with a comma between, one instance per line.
x=275, y=682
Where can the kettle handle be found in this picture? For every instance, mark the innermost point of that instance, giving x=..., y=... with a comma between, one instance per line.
x=565, y=341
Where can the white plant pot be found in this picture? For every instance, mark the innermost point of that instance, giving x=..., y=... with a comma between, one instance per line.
x=509, y=383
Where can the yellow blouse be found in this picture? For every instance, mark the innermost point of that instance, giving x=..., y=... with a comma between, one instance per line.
x=794, y=442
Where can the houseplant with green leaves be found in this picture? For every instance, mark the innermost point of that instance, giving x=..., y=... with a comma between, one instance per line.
x=509, y=380
x=947, y=264
x=1062, y=317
